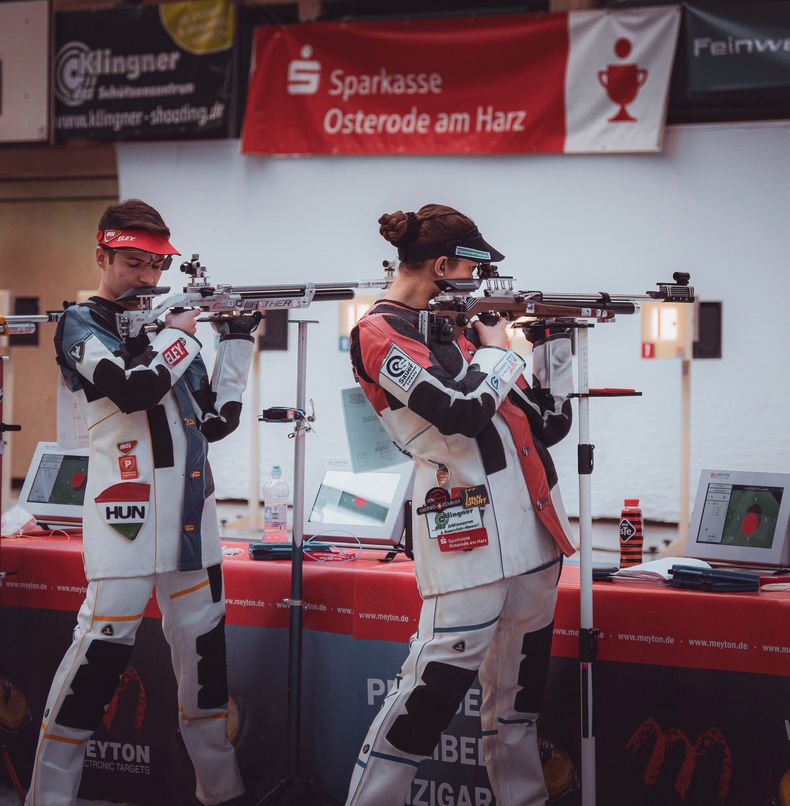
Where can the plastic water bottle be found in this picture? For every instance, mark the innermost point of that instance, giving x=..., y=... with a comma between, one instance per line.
x=275, y=507
x=631, y=533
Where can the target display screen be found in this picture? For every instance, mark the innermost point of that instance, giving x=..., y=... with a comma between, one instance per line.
x=60, y=479
x=740, y=515
x=354, y=498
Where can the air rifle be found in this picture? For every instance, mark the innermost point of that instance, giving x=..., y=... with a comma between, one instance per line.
x=455, y=306
x=24, y=325
x=227, y=301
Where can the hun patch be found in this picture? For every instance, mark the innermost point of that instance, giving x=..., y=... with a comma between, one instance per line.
x=175, y=353
x=125, y=507
x=400, y=369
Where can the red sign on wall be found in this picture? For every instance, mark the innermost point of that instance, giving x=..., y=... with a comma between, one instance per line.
x=583, y=81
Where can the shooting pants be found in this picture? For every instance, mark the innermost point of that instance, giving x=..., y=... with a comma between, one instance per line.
x=193, y=621
x=500, y=632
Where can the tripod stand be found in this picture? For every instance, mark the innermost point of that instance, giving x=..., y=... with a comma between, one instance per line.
x=295, y=788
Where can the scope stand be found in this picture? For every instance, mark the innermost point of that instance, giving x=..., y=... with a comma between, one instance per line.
x=588, y=635
x=295, y=788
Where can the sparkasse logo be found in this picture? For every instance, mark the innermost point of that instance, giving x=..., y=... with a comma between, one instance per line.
x=304, y=75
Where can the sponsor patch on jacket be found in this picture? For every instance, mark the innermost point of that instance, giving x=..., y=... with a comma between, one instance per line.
x=127, y=447
x=505, y=371
x=437, y=499
x=454, y=526
x=400, y=369
x=128, y=467
x=125, y=507
x=77, y=350
x=175, y=353
x=476, y=496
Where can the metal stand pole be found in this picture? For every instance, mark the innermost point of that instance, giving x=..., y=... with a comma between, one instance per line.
x=685, y=451
x=254, y=493
x=297, y=557
x=306, y=792
x=587, y=634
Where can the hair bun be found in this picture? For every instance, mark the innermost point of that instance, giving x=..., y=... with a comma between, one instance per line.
x=399, y=228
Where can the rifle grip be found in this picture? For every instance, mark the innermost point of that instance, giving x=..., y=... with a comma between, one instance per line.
x=488, y=318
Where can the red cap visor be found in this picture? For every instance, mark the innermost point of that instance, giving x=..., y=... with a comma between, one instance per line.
x=136, y=239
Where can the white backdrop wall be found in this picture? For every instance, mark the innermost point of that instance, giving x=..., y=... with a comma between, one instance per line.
x=716, y=203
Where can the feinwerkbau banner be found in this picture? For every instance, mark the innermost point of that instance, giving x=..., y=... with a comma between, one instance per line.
x=738, y=47
x=586, y=81
x=144, y=73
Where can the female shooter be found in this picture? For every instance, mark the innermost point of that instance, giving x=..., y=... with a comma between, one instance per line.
x=489, y=526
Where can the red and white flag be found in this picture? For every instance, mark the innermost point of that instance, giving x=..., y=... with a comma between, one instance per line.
x=583, y=81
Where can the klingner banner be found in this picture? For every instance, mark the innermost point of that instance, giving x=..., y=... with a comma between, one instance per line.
x=144, y=73
x=583, y=81
x=738, y=47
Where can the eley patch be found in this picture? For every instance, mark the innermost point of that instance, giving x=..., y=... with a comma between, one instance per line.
x=400, y=369
x=125, y=507
x=175, y=353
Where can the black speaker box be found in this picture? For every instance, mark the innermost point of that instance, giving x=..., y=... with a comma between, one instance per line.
x=708, y=344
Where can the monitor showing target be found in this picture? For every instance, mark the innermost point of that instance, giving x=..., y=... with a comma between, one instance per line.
x=741, y=517
x=54, y=487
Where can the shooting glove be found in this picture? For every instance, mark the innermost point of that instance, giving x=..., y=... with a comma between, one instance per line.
x=237, y=327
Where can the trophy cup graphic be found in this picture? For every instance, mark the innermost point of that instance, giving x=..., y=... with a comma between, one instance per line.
x=622, y=82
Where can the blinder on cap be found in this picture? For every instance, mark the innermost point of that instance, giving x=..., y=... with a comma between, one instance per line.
x=136, y=239
x=469, y=245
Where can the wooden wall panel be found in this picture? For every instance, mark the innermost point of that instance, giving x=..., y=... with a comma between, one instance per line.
x=50, y=203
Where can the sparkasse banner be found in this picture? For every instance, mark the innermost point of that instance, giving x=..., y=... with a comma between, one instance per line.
x=589, y=81
x=144, y=73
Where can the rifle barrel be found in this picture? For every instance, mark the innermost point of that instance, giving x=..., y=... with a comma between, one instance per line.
x=619, y=303
x=32, y=319
x=323, y=291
